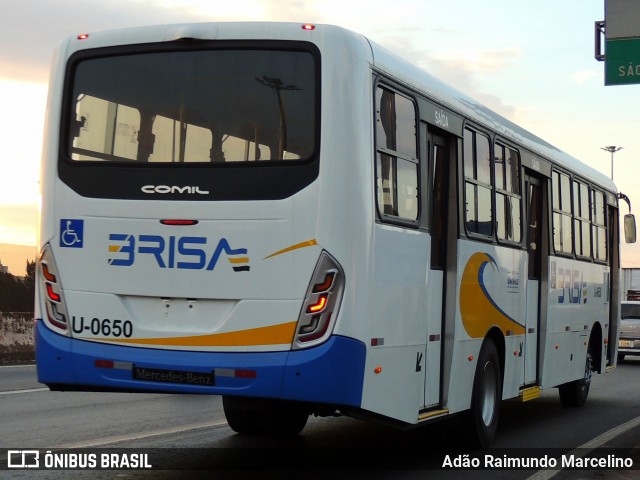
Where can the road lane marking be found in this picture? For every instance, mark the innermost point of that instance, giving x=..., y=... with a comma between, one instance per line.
x=28, y=390
x=585, y=449
x=99, y=442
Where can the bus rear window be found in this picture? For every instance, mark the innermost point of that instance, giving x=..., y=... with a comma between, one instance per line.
x=194, y=106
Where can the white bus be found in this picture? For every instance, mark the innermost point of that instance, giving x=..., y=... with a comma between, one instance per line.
x=293, y=218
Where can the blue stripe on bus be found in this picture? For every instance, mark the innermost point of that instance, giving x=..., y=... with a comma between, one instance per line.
x=331, y=373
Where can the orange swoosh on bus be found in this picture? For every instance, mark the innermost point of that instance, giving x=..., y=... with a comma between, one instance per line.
x=478, y=310
x=308, y=243
x=272, y=335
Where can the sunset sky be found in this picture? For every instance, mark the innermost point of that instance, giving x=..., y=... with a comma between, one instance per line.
x=532, y=62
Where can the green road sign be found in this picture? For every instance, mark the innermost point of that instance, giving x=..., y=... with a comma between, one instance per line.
x=622, y=61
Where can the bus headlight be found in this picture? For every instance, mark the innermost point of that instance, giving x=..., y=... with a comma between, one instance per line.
x=50, y=289
x=321, y=303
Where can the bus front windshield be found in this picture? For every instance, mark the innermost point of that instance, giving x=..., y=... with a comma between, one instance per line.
x=216, y=106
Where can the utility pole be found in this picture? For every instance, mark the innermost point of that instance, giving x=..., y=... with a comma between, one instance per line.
x=611, y=149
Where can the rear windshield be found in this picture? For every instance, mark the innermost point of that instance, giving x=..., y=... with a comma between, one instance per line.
x=214, y=106
x=630, y=310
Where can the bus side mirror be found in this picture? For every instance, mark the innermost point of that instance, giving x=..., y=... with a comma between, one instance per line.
x=630, y=228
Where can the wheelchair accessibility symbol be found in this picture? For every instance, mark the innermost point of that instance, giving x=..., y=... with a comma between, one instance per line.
x=71, y=233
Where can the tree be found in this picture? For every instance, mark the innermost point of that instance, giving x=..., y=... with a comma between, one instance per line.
x=17, y=293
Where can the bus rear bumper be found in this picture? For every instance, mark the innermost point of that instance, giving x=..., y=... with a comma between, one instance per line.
x=331, y=373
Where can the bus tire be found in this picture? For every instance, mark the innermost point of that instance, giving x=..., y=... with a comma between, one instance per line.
x=283, y=419
x=486, y=397
x=256, y=416
x=241, y=417
x=574, y=394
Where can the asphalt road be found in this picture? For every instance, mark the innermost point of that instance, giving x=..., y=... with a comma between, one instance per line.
x=191, y=431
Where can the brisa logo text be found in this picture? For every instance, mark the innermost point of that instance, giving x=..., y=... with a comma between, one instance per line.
x=192, y=253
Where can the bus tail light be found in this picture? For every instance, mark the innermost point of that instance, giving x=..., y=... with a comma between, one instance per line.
x=51, y=291
x=320, y=307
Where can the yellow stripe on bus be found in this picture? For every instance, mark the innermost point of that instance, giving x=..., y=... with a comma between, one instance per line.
x=239, y=260
x=272, y=335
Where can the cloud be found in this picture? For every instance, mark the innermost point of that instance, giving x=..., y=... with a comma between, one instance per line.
x=17, y=224
x=482, y=61
x=585, y=76
x=465, y=75
x=30, y=29
x=462, y=71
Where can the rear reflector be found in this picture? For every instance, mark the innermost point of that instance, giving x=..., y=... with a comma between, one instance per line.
x=115, y=364
x=103, y=363
x=235, y=373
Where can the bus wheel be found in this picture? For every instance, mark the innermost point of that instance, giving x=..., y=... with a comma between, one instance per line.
x=241, y=414
x=574, y=394
x=486, y=397
x=283, y=419
x=256, y=416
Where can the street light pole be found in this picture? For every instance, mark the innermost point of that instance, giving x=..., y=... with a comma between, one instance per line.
x=611, y=149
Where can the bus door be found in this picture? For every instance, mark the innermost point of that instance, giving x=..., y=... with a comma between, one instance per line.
x=535, y=253
x=440, y=206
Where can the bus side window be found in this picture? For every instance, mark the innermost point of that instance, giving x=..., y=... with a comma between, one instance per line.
x=478, y=188
x=562, y=232
x=508, y=199
x=598, y=227
x=581, y=223
x=397, y=169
